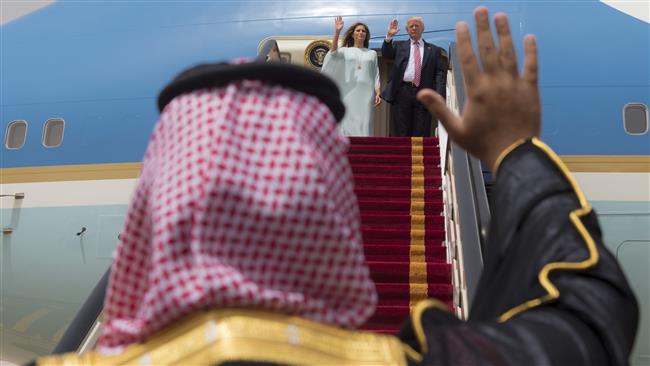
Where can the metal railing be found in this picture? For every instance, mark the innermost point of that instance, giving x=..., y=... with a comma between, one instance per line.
x=79, y=334
x=466, y=206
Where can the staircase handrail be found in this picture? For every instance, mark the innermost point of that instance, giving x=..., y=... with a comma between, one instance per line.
x=478, y=182
x=77, y=333
x=470, y=212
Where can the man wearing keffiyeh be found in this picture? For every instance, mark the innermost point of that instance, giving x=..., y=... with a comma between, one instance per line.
x=242, y=240
x=245, y=200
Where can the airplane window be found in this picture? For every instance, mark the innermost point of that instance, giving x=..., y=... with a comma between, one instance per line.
x=53, y=132
x=285, y=57
x=635, y=118
x=15, y=135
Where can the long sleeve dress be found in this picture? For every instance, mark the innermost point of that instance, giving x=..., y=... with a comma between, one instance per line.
x=356, y=73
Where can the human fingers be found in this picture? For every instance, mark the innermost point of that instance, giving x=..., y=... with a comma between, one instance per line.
x=393, y=25
x=507, y=55
x=468, y=62
x=530, y=60
x=438, y=107
x=486, y=48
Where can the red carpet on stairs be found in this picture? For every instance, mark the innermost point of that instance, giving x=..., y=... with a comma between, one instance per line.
x=397, y=182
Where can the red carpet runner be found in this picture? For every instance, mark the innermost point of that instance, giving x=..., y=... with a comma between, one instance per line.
x=397, y=181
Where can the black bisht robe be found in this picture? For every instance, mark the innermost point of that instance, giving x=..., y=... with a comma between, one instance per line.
x=579, y=311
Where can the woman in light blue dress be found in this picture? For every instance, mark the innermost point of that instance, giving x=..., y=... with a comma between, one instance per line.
x=354, y=69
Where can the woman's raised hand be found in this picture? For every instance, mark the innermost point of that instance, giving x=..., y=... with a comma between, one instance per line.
x=338, y=24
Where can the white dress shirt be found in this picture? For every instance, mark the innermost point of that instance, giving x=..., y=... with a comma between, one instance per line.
x=409, y=73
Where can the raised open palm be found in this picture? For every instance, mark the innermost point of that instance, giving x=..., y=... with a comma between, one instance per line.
x=338, y=24
x=501, y=107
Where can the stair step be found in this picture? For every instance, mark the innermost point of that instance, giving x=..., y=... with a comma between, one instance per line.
x=396, y=141
x=393, y=192
x=402, y=253
x=395, y=210
x=397, y=170
x=399, y=272
x=400, y=241
x=391, y=159
x=400, y=206
x=390, y=150
x=383, y=181
x=386, y=233
x=400, y=219
x=393, y=293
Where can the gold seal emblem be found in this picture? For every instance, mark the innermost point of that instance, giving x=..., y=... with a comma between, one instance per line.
x=315, y=53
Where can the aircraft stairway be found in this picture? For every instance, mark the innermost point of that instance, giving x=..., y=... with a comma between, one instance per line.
x=424, y=216
x=397, y=183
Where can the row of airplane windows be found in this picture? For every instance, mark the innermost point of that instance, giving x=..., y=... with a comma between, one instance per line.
x=52, y=135
x=635, y=122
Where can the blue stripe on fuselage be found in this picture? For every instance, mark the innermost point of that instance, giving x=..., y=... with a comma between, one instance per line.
x=100, y=65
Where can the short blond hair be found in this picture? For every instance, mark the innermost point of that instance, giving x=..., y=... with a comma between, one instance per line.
x=415, y=19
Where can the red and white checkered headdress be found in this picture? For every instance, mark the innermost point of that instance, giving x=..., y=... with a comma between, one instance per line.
x=245, y=200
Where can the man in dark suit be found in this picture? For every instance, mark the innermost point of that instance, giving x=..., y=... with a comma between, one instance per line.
x=417, y=65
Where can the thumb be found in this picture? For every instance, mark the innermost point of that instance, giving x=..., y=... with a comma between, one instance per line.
x=436, y=104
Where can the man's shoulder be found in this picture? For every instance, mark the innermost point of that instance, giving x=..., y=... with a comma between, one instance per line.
x=430, y=45
x=436, y=50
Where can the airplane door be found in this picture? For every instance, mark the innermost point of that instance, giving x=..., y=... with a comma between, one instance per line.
x=383, y=113
x=310, y=51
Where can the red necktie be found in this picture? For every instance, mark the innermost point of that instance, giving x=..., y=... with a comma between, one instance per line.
x=418, y=64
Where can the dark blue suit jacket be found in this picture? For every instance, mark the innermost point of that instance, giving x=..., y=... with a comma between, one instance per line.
x=434, y=67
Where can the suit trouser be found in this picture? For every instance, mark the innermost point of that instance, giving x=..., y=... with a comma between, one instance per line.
x=410, y=117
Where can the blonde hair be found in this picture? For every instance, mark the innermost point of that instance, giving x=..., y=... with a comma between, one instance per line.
x=415, y=19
